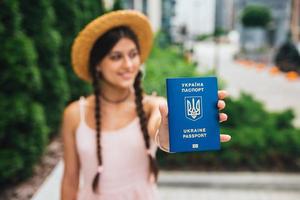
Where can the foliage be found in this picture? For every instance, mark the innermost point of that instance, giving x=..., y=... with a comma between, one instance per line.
x=118, y=5
x=19, y=71
x=39, y=26
x=90, y=10
x=162, y=40
x=256, y=16
x=164, y=63
x=218, y=32
x=33, y=82
x=23, y=129
x=266, y=137
x=288, y=57
x=70, y=20
x=23, y=137
x=167, y=61
x=203, y=37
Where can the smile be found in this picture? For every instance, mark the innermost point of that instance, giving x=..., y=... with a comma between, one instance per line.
x=125, y=75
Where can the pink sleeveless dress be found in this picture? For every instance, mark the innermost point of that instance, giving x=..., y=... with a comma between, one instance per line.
x=125, y=173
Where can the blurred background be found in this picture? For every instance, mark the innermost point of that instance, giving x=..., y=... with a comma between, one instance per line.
x=252, y=46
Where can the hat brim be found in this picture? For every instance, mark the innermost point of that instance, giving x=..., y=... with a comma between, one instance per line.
x=85, y=40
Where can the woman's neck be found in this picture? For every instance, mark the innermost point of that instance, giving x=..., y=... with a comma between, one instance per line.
x=112, y=94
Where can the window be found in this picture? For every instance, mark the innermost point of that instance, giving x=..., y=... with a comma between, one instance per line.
x=128, y=4
x=145, y=7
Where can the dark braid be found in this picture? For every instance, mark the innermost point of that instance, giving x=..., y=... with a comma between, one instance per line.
x=96, y=87
x=143, y=123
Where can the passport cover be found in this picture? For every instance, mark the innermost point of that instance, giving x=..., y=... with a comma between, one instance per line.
x=193, y=114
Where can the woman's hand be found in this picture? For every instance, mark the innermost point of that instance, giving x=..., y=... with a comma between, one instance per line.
x=163, y=133
x=222, y=116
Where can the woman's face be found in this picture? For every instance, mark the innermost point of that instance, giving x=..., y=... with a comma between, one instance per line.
x=121, y=65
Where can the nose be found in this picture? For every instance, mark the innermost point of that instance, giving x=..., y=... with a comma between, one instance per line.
x=128, y=62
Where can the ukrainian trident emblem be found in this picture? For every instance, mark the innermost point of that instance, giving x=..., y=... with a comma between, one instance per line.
x=193, y=107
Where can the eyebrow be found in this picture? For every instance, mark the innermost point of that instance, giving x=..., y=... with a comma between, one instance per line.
x=116, y=51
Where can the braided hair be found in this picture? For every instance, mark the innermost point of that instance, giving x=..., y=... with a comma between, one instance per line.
x=100, y=49
x=143, y=122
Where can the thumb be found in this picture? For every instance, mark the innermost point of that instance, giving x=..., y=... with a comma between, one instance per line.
x=163, y=108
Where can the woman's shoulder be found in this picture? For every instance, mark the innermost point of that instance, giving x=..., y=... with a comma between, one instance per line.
x=71, y=114
x=72, y=108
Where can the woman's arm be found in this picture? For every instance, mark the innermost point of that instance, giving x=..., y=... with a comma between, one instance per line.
x=70, y=180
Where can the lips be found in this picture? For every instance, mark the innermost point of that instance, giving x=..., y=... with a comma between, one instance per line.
x=125, y=75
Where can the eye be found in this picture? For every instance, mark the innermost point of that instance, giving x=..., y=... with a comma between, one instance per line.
x=115, y=56
x=133, y=54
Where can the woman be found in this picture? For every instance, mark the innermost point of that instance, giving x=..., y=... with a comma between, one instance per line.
x=109, y=135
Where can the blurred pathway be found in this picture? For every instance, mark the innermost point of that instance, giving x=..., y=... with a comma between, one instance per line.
x=228, y=186
x=275, y=91
x=205, y=185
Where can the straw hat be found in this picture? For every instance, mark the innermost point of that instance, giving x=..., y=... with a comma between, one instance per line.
x=85, y=40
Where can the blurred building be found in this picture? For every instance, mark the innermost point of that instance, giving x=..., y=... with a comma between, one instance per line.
x=225, y=14
x=168, y=14
x=196, y=16
x=160, y=13
x=295, y=20
x=151, y=8
x=155, y=10
x=281, y=13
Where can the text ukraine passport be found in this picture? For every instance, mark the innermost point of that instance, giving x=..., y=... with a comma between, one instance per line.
x=193, y=114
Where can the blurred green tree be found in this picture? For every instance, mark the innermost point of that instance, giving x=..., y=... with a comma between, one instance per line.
x=256, y=16
x=287, y=58
x=90, y=10
x=23, y=129
x=69, y=22
x=38, y=24
x=118, y=5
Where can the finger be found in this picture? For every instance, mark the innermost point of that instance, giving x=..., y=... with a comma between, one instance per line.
x=221, y=104
x=225, y=138
x=222, y=117
x=222, y=94
x=163, y=109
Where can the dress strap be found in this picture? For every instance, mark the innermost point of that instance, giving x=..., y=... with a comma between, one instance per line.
x=82, y=108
